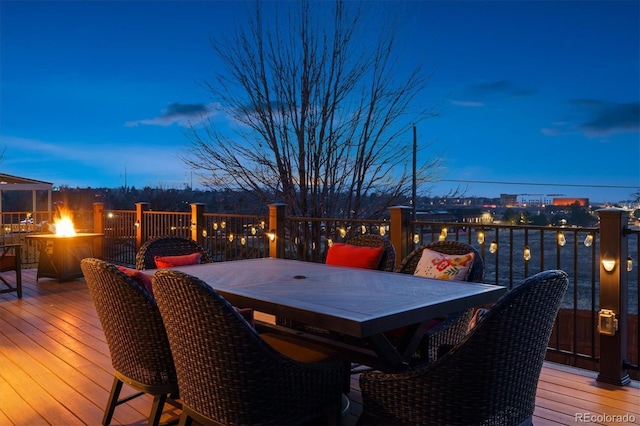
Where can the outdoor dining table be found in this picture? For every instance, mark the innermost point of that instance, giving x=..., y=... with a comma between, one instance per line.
x=360, y=303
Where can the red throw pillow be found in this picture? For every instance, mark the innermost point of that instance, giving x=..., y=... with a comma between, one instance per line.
x=342, y=254
x=171, y=261
x=140, y=277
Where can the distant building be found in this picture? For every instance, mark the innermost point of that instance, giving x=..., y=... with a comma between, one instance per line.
x=509, y=200
x=582, y=202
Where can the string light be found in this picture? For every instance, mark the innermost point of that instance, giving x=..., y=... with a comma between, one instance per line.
x=481, y=237
x=561, y=239
x=588, y=240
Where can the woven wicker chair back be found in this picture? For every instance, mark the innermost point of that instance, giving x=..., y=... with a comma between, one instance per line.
x=168, y=245
x=489, y=378
x=132, y=325
x=226, y=372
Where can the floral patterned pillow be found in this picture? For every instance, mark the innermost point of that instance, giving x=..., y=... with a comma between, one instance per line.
x=433, y=264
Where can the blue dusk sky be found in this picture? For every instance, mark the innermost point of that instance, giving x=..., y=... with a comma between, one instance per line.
x=544, y=95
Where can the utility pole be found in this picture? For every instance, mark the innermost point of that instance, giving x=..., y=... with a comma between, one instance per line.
x=413, y=186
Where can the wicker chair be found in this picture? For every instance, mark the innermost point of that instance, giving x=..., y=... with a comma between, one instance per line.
x=388, y=259
x=136, y=337
x=168, y=245
x=489, y=378
x=454, y=327
x=227, y=373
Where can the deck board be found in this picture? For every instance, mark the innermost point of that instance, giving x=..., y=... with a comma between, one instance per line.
x=55, y=369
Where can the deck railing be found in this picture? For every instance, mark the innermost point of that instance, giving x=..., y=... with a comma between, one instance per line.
x=510, y=253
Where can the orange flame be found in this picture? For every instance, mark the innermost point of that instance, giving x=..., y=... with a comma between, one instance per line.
x=63, y=223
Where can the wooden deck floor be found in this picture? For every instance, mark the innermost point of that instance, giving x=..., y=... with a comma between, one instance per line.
x=55, y=369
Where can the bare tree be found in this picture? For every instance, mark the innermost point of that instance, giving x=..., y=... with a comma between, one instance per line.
x=321, y=112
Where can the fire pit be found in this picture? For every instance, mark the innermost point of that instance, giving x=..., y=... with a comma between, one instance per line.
x=62, y=251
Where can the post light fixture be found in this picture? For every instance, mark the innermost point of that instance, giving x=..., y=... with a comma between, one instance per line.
x=243, y=240
x=329, y=242
x=215, y=226
x=272, y=235
x=363, y=229
x=481, y=237
x=561, y=239
x=493, y=247
x=444, y=232
x=382, y=230
x=204, y=233
x=588, y=240
x=223, y=224
x=230, y=238
x=629, y=264
x=343, y=232
x=254, y=231
x=137, y=224
x=416, y=238
x=527, y=253
x=608, y=262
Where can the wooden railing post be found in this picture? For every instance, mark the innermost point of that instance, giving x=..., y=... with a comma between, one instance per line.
x=141, y=229
x=98, y=228
x=276, y=226
x=400, y=216
x=197, y=222
x=614, y=293
x=98, y=218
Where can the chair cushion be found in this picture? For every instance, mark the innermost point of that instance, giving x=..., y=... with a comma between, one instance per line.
x=342, y=254
x=433, y=264
x=140, y=277
x=171, y=261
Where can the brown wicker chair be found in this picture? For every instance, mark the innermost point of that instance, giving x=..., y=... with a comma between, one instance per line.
x=168, y=245
x=136, y=337
x=489, y=378
x=227, y=373
x=455, y=326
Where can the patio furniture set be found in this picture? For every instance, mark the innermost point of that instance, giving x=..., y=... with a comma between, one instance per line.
x=184, y=340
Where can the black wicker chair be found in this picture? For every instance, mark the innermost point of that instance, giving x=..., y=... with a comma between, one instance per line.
x=227, y=373
x=135, y=334
x=168, y=245
x=489, y=378
x=455, y=326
